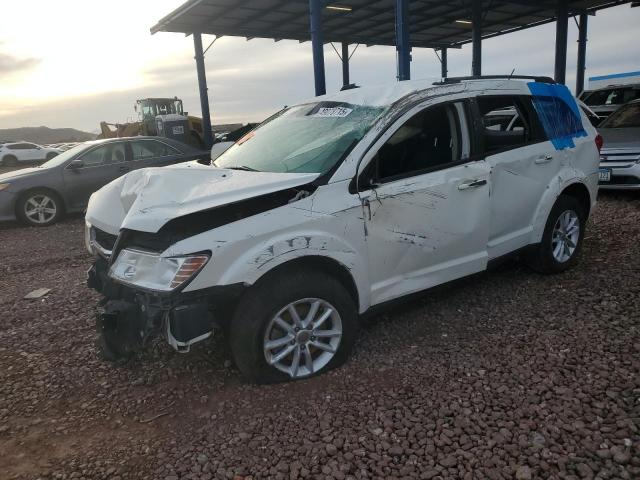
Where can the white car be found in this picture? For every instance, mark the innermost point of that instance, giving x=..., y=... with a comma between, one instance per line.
x=12, y=153
x=334, y=206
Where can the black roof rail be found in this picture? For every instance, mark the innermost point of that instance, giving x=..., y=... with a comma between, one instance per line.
x=452, y=80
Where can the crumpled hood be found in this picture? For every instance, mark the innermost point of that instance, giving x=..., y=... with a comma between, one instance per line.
x=146, y=199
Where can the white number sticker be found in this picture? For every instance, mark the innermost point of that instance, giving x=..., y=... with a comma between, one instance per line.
x=335, y=112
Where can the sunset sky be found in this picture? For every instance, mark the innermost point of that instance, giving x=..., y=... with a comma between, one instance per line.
x=72, y=63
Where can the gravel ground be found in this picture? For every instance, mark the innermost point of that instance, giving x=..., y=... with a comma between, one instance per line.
x=508, y=374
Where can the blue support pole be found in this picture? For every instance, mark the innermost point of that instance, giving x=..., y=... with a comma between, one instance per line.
x=207, y=134
x=444, y=63
x=317, y=45
x=345, y=64
x=582, y=53
x=476, y=34
x=562, y=26
x=403, y=42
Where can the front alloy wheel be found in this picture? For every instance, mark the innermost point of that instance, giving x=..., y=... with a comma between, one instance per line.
x=303, y=337
x=292, y=324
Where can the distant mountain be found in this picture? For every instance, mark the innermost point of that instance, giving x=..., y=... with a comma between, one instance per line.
x=45, y=135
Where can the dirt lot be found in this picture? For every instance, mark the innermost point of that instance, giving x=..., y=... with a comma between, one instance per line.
x=505, y=375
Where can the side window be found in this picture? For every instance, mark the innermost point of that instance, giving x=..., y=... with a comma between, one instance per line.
x=94, y=157
x=428, y=140
x=110, y=153
x=19, y=146
x=143, y=149
x=519, y=128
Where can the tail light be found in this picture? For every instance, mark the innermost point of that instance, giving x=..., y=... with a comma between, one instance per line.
x=599, y=142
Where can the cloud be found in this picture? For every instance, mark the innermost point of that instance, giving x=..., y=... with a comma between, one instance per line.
x=10, y=65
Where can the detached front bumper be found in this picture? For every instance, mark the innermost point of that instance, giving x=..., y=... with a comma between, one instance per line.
x=132, y=317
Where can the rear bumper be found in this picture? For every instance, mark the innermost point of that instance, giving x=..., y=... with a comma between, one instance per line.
x=134, y=317
x=624, y=176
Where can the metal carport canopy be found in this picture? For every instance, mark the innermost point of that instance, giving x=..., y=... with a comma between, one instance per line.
x=432, y=23
x=403, y=23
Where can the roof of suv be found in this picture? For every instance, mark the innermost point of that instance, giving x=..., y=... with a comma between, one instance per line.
x=388, y=94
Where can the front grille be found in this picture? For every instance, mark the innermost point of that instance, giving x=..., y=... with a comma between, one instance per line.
x=105, y=241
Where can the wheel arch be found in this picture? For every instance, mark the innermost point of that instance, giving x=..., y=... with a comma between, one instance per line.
x=580, y=192
x=319, y=263
x=567, y=183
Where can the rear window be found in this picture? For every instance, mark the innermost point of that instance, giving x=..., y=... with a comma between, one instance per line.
x=626, y=117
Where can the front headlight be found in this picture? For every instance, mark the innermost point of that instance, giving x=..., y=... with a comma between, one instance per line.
x=4, y=186
x=153, y=272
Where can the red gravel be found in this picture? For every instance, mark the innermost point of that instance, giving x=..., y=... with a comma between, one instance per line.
x=505, y=375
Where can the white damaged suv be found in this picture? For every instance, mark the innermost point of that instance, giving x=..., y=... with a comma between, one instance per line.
x=337, y=205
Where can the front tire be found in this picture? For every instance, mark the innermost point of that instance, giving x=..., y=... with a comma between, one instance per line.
x=50, y=155
x=39, y=208
x=293, y=326
x=562, y=239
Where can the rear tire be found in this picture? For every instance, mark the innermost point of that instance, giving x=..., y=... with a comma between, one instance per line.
x=258, y=338
x=39, y=208
x=51, y=155
x=562, y=239
x=9, y=161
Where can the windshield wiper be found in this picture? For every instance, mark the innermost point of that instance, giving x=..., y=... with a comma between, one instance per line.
x=244, y=168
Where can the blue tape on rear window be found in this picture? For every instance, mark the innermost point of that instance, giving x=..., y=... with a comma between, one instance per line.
x=558, y=112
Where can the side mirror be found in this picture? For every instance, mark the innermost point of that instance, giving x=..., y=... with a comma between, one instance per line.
x=75, y=165
x=219, y=148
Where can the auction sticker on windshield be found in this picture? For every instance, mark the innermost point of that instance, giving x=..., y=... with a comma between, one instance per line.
x=334, y=112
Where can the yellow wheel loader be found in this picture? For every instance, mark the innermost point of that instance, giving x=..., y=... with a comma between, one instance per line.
x=158, y=117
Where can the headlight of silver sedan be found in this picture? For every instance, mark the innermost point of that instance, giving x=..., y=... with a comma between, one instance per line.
x=151, y=271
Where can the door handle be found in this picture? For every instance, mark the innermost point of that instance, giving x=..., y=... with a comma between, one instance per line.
x=123, y=169
x=472, y=184
x=544, y=159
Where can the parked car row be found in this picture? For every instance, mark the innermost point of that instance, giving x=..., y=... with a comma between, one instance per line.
x=14, y=153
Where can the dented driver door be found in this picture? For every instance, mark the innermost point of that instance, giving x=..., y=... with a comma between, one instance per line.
x=427, y=215
x=427, y=230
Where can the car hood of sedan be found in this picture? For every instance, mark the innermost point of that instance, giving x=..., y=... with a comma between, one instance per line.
x=627, y=138
x=145, y=200
x=23, y=172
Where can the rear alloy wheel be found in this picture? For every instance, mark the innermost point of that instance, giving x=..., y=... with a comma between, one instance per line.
x=562, y=239
x=40, y=208
x=565, y=236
